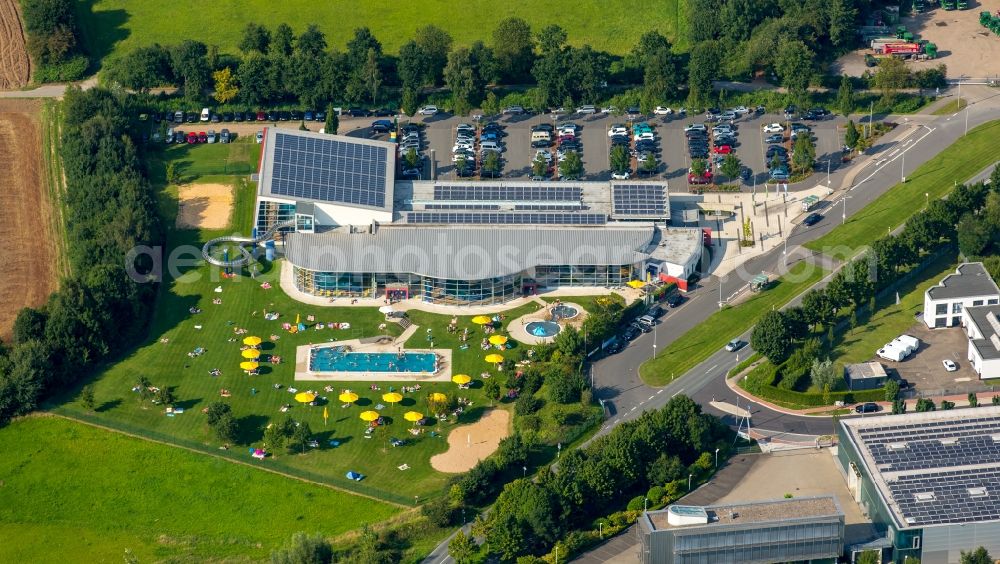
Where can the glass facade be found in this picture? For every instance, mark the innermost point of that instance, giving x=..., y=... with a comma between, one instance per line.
x=583, y=275
x=457, y=292
x=270, y=213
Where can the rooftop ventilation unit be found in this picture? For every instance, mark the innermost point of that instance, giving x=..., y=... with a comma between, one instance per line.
x=924, y=496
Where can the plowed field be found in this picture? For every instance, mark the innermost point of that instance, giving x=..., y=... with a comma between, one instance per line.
x=14, y=65
x=27, y=247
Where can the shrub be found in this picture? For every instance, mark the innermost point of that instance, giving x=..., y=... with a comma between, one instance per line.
x=636, y=503
x=439, y=511
x=563, y=386
x=656, y=493
x=945, y=404
x=526, y=405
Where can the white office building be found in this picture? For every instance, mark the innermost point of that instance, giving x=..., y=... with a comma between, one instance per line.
x=970, y=286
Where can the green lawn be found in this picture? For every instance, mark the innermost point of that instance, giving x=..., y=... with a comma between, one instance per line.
x=891, y=319
x=712, y=334
x=116, y=26
x=73, y=493
x=951, y=107
x=193, y=162
x=936, y=177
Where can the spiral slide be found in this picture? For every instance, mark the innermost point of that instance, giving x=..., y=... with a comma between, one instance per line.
x=242, y=244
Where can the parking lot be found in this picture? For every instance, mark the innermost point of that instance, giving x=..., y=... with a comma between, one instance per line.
x=924, y=369
x=673, y=156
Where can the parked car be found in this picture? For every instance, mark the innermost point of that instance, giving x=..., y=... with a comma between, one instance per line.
x=675, y=300
x=633, y=112
x=381, y=126
x=206, y=114
x=225, y=136
x=741, y=110
x=192, y=138
x=949, y=365
x=260, y=137
x=662, y=111
x=867, y=408
x=202, y=137
x=773, y=128
x=812, y=219
x=428, y=110
x=180, y=137
x=734, y=345
x=310, y=115
x=514, y=110
x=296, y=115
x=727, y=116
x=357, y=112
x=587, y=109
x=621, y=175
x=320, y=116
x=191, y=117
x=210, y=138
x=775, y=138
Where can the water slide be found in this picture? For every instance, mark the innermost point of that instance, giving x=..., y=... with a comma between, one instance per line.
x=241, y=243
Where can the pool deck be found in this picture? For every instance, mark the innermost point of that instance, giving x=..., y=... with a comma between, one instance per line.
x=303, y=374
x=518, y=331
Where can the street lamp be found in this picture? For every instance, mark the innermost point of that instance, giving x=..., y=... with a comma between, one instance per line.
x=689, y=481
x=843, y=215
x=902, y=167
x=927, y=199
x=716, y=458
x=645, y=503
x=828, y=161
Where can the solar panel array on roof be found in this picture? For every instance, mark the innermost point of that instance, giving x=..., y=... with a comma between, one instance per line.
x=329, y=170
x=507, y=218
x=918, y=455
x=957, y=496
x=646, y=200
x=508, y=193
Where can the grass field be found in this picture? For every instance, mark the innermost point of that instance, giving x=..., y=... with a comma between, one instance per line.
x=116, y=26
x=951, y=107
x=73, y=493
x=712, y=334
x=936, y=178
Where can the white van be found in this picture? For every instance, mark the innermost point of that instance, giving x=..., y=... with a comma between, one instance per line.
x=540, y=136
x=890, y=352
x=490, y=146
x=912, y=342
x=206, y=114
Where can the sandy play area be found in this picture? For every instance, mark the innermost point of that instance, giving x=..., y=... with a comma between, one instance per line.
x=469, y=444
x=204, y=206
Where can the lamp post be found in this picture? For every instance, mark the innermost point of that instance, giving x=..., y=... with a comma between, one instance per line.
x=927, y=199
x=689, y=481
x=645, y=504
x=902, y=167
x=843, y=215
x=828, y=161
x=716, y=459
x=600, y=528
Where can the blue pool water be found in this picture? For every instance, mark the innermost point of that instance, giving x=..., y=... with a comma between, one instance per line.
x=542, y=328
x=335, y=359
x=563, y=311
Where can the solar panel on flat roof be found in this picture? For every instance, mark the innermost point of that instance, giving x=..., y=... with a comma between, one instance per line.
x=506, y=218
x=648, y=200
x=329, y=170
x=508, y=193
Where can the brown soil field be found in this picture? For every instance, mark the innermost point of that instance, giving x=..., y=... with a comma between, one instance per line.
x=29, y=271
x=204, y=206
x=469, y=444
x=15, y=67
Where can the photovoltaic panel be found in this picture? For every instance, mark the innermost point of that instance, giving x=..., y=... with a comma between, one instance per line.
x=329, y=170
x=508, y=193
x=506, y=218
x=645, y=200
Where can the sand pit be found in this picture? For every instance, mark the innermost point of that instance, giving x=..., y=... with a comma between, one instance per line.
x=469, y=444
x=204, y=206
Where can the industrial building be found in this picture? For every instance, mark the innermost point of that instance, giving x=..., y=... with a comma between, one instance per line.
x=983, y=329
x=969, y=286
x=808, y=529
x=865, y=376
x=930, y=482
x=360, y=234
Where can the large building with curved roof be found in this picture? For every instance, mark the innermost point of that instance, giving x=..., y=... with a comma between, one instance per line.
x=359, y=233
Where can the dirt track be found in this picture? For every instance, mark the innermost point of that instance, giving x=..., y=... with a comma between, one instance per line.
x=28, y=274
x=14, y=64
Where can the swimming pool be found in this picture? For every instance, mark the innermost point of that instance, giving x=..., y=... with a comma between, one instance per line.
x=542, y=328
x=336, y=359
x=563, y=311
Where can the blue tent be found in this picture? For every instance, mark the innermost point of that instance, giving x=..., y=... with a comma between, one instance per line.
x=354, y=476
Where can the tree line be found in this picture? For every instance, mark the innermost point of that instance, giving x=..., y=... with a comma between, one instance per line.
x=99, y=310
x=970, y=217
x=732, y=39
x=54, y=40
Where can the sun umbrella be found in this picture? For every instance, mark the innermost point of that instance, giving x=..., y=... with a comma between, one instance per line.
x=348, y=397
x=249, y=365
x=438, y=396
x=305, y=397
x=482, y=320
x=252, y=341
x=461, y=379
x=413, y=416
x=251, y=353
x=369, y=416
x=494, y=358
x=498, y=340
x=392, y=397
x=636, y=284
x=385, y=309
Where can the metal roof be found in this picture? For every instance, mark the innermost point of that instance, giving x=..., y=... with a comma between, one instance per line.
x=464, y=252
x=970, y=280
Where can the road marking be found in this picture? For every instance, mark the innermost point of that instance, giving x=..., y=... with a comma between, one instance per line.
x=660, y=391
x=893, y=152
x=677, y=392
x=714, y=366
x=882, y=163
x=633, y=409
x=650, y=397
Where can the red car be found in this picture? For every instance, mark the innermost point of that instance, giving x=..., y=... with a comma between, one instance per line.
x=705, y=178
x=723, y=149
x=261, y=116
x=202, y=137
x=565, y=138
x=192, y=138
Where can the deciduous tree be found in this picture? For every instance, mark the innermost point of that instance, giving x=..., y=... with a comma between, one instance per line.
x=225, y=86
x=435, y=44
x=771, y=337
x=845, y=98
x=255, y=38
x=513, y=46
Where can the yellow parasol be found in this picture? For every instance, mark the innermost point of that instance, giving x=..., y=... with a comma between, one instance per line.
x=413, y=416
x=369, y=416
x=438, y=396
x=392, y=397
x=636, y=284
x=461, y=379
x=251, y=353
x=249, y=365
x=252, y=341
x=348, y=397
x=498, y=340
x=305, y=397
x=494, y=358
x=482, y=320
